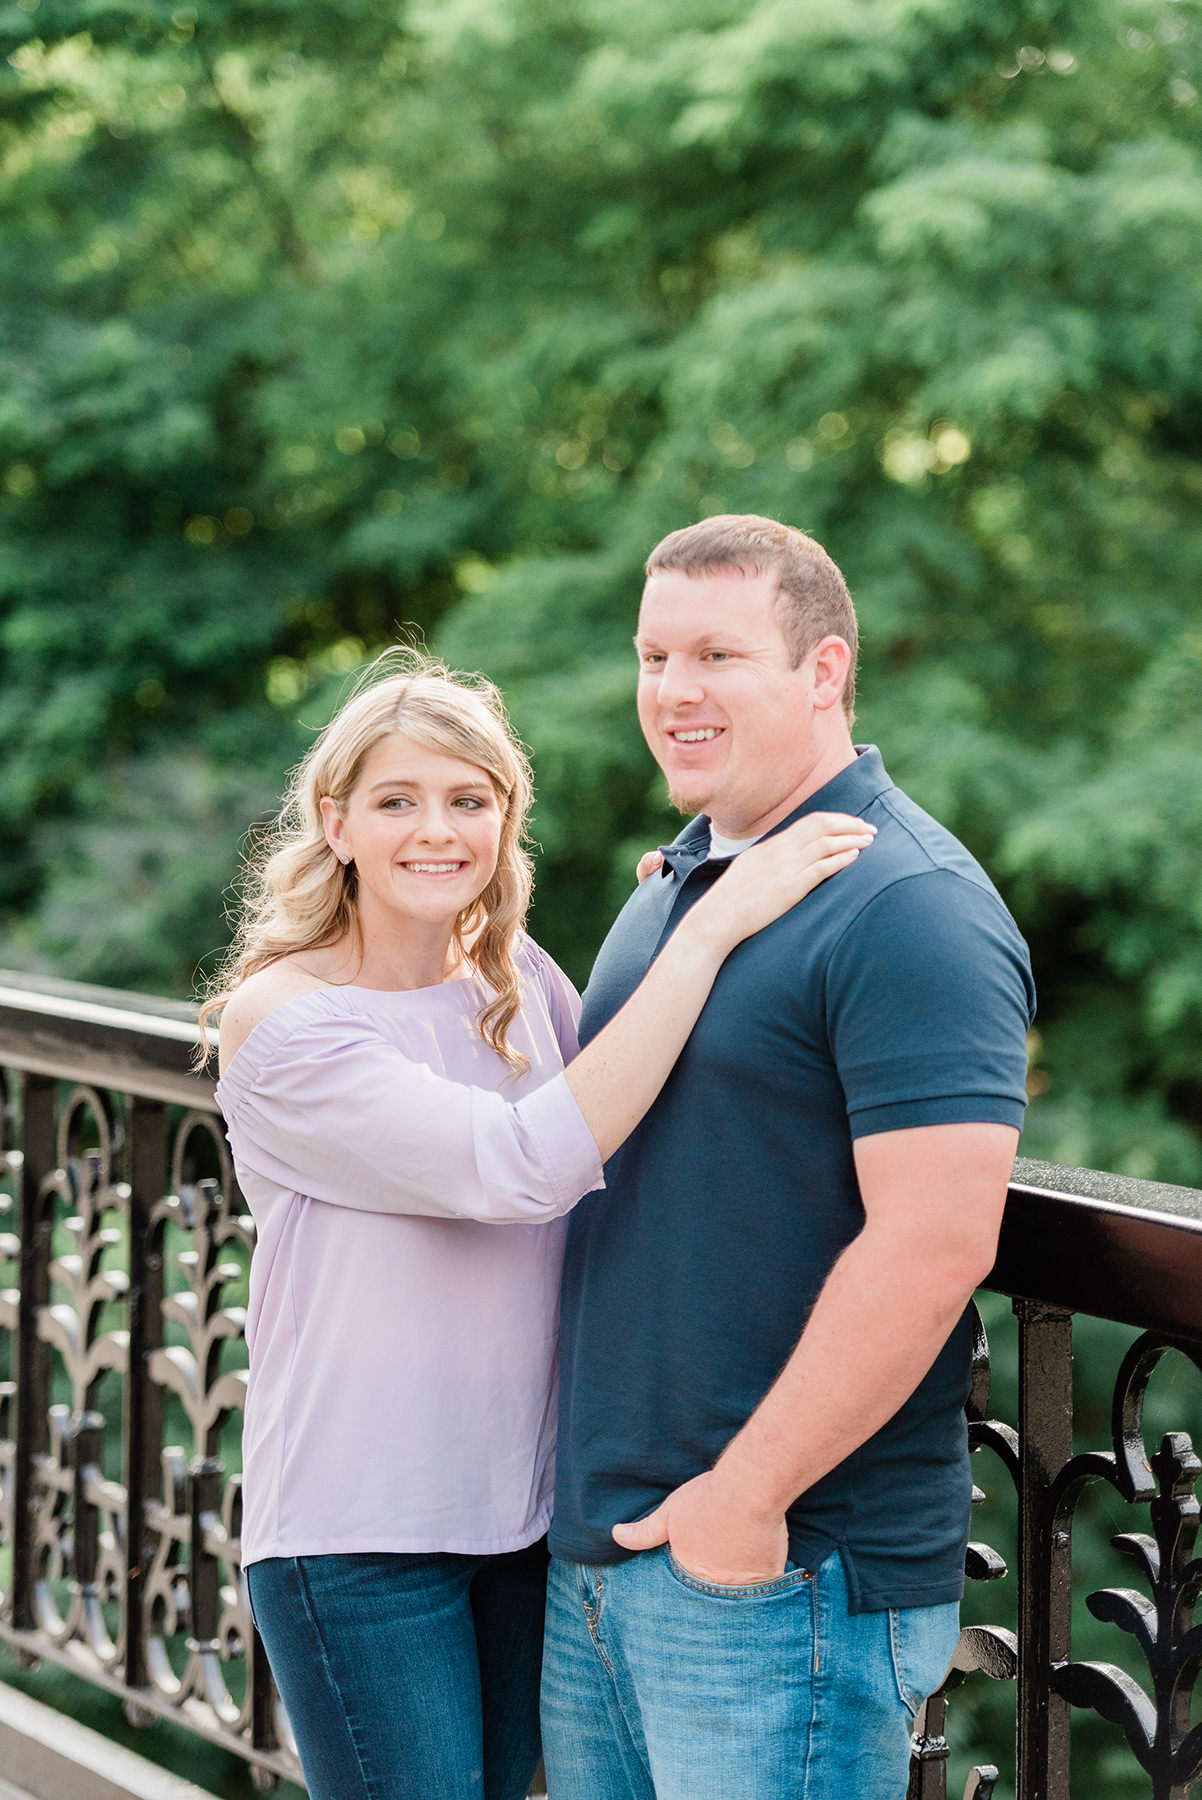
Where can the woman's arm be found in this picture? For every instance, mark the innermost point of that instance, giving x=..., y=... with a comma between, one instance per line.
x=617, y=1077
x=328, y=1108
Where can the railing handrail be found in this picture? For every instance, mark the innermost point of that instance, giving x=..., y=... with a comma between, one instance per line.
x=1085, y=1239
x=141, y=1043
x=1072, y=1241
x=1119, y=1246
x=133, y=1043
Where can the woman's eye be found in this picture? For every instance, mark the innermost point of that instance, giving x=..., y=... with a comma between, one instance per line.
x=395, y=802
x=470, y=802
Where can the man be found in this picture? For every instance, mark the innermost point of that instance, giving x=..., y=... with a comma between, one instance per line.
x=763, y=1489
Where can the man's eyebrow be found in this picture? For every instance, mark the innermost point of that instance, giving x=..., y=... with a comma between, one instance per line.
x=711, y=641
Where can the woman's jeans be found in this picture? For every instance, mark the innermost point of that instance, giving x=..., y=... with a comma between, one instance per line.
x=407, y=1677
x=660, y=1686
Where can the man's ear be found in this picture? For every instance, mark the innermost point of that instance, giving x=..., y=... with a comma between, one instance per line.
x=830, y=663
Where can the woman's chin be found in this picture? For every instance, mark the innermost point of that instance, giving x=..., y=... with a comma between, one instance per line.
x=427, y=901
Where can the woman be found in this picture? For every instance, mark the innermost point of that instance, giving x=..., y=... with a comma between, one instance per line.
x=392, y=1056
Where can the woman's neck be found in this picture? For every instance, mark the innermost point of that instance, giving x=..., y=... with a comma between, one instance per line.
x=408, y=955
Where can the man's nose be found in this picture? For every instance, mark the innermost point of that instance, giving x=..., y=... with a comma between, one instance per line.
x=680, y=683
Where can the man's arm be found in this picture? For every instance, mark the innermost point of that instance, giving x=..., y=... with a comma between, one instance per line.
x=933, y=1198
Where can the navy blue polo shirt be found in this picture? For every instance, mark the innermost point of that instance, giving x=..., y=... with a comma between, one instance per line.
x=898, y=993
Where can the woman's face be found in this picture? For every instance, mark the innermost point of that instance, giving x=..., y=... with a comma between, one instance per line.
x=424, y=830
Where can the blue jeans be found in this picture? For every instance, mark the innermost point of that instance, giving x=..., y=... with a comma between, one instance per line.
x=658, y=1686
x=407, y=1677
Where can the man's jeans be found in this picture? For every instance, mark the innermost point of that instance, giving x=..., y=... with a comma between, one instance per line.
x=658, y=1686
x=407, y=1676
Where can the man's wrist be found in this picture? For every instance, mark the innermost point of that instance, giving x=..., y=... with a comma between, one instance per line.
x=759, y=1492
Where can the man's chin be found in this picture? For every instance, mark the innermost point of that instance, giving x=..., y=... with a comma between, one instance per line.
x=690, y=800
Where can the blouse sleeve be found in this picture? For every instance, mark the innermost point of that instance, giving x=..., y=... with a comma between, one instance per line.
x=333, y=1110
x=563, y=1002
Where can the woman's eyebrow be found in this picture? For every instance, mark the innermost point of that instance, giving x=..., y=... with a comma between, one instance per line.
x=460, y=787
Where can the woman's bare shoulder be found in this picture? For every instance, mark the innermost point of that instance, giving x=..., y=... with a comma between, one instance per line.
x=260, y=994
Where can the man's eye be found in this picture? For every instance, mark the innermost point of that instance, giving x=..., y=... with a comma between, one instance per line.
x=719, y=655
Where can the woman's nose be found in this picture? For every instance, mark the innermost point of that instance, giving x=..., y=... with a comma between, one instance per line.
x=436, y=825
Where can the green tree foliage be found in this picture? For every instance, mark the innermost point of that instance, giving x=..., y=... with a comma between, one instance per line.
x=324, y=322
x=327, y=320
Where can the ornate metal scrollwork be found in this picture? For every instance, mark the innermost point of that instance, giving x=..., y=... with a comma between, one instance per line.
x=197, y=1518
x=123, y=1255
x=79, y=1516
x=1156, y=1725
x=1156, y=1719
x=131, y=1321
x=989, y=1650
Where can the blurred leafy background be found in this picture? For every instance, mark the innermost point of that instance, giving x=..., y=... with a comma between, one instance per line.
x=324, y=322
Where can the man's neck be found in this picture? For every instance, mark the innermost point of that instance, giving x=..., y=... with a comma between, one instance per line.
x=838, y=756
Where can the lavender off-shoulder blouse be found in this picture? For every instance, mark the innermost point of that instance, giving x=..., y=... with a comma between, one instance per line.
x=408, y=1196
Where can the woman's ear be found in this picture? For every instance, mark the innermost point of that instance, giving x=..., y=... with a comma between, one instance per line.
x=334, y=827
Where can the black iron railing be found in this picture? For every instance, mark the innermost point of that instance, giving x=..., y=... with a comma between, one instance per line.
x=123, y=1322
x=1077, y=1241
x=124, y=1248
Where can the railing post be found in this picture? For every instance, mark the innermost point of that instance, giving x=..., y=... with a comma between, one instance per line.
x=39, y=1159
x=86, y=1442
x=929, y=1752
x=148, y=1184
x=1045, y=1435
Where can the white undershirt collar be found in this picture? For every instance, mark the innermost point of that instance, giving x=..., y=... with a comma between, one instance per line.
x=724, y=846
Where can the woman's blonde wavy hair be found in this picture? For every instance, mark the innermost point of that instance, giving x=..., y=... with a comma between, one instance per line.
x=297, y=895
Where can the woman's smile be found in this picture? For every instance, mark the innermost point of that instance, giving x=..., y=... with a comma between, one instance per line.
x=423, y=830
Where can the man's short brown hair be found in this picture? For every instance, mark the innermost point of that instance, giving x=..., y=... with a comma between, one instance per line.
x=813, y=596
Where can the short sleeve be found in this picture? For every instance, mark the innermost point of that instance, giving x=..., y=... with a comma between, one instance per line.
x=327, y=1106
x=929, y=1001
x=562, y=1000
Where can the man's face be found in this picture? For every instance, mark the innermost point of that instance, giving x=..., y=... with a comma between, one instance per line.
x=728, y=720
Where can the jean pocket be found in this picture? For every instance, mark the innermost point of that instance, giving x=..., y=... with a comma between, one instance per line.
x=923, y=1640
x=751, y=1590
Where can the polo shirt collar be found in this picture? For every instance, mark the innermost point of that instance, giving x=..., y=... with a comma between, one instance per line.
x=687, y=850
x=852, y=790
